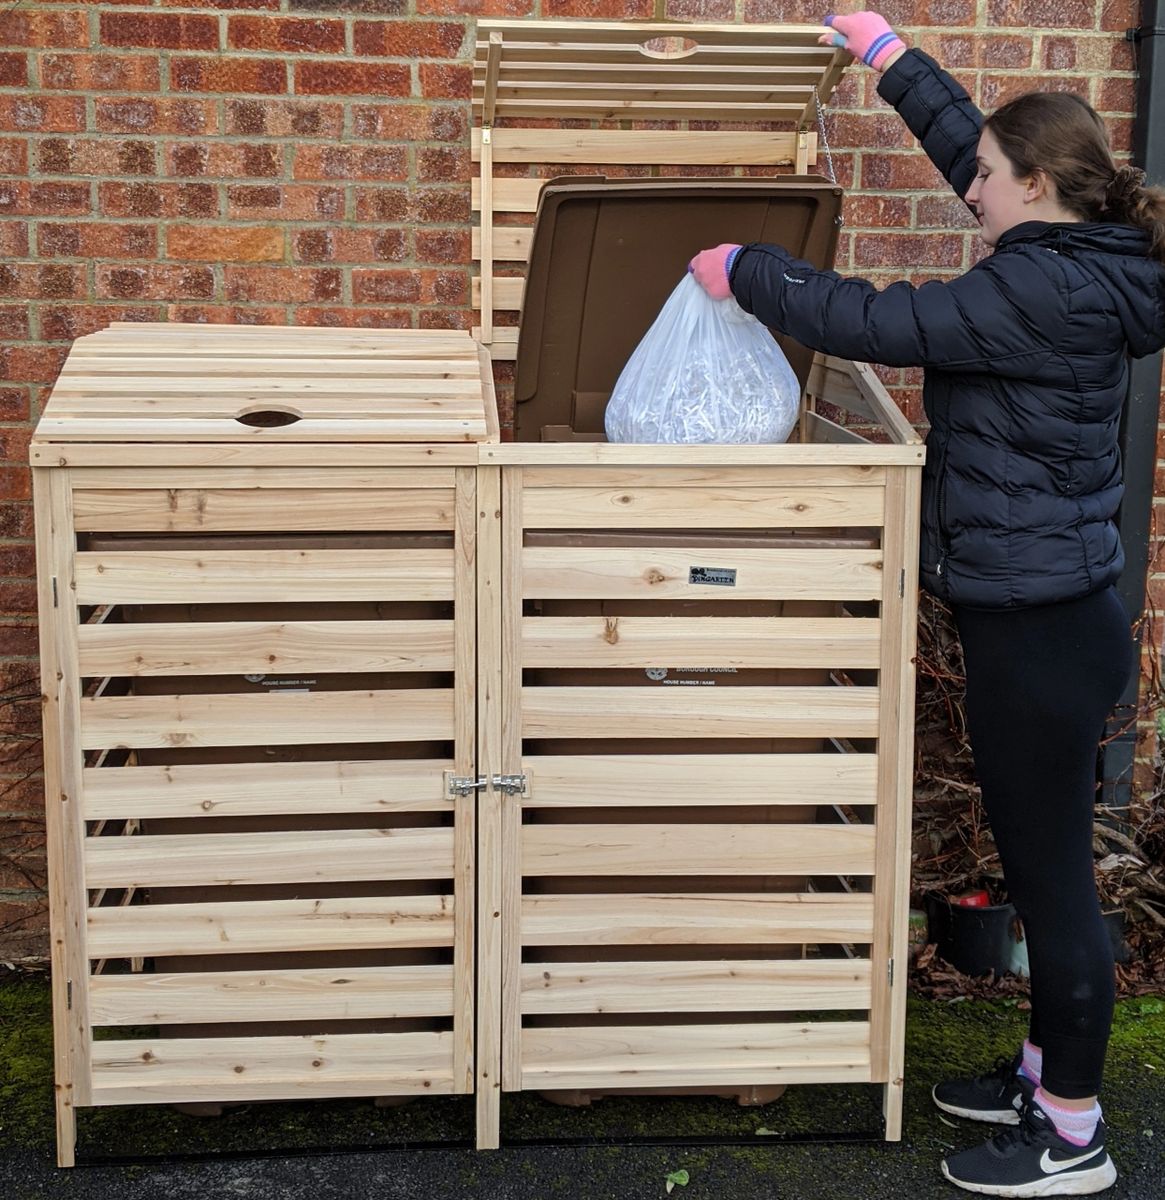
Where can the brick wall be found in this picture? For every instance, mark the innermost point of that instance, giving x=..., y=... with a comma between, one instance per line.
x=307, y=162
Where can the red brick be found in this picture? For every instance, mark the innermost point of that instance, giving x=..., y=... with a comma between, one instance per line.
x=998, y=89
x=33, y=281
x=1041, y=14
x=100, y=72
x=443, y=246
x=99, y=157
x=13, y=156
x=1117, y=95
x=950, y=49
x=29, y=363
x=718, y=11
x=940, y=12
x=280, y=202
x=43, y=29
x=286, y=35
x=893, y=172
x=351, y=163
x=410, y=122
x=225, y=314
x=345, y=245
x=156, y=117
x=376, y=287
x=169, y=31
x=42, y=114
x=868, y=130
x=13, y=323
x=349, y=317
x=13, y=70
x=92, y=240
x=224, y=160
x=269, y=5
x=440, y=82
x=65, y=323
x=1118, y=15
x=478, y=8
x=219, y=243
x=352, y=79
x=14, y=404
x=252, y=75
x=158, y=200
x=611, y=10
x=17, y=599
x=943, y=212
x=153, y=281
x=443, y=165
x=878, y=211
x=803, y=12
x=908, y=250
x=288, y=285
x=14, y=242
x=391, y=204
x=284, y=118
x=409, y=39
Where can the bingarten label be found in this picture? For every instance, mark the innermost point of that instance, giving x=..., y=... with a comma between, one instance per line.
x=716, y=576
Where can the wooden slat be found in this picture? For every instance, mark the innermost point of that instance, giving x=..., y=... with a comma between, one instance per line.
x=516, y=194
x=735, y=986
x=267, y=357
x=723, y=643
x=649, y=781
x=739, y=508
x=232, y=576
x=663, y=573
x=503, y=343
x=272, y=647
x=507, y=293
x=511, y=243
x=275, y=718
x=155, y=430
x=604, y=850
x=762, y=919
x=786, y=455
x=335, y=994
x=654, y=712
x=362, y=455
x=674, y=1055
x=518, y=101
x=265, y=789
x=662, y=475
x=283, y=856
x=272, y=926
x=241, y=471
x=188, y=1069
x=198, y=510
x=635, y=146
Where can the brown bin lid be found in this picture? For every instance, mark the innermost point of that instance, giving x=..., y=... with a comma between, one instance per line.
x=606, y=255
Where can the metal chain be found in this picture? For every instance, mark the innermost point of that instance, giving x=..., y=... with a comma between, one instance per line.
x=824, y=137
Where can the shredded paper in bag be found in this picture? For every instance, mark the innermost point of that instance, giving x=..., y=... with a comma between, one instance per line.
x=706, y=371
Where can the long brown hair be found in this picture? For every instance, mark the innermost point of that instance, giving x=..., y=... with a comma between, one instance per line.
x=1061, y=134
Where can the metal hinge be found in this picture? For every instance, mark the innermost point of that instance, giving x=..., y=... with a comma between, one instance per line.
x=56, y=598
x=486, y=134
x=890, y=972
x=902, y=584
x=69, y=994
x=465, y=785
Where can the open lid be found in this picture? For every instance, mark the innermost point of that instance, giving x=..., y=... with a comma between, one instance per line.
x=605, y=257
x=174, y=383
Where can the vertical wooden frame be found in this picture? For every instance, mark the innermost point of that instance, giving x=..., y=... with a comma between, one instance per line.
x=64, y=817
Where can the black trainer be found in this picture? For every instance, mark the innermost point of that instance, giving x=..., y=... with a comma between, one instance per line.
x=996, y=1097
x=1033, y=1160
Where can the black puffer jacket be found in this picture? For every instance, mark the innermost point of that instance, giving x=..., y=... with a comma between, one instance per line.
x=1026, y=359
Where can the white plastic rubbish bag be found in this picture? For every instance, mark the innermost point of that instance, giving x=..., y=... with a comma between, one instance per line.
x=706, y=371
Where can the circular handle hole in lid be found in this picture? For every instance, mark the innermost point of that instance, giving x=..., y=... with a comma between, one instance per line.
x=669, y=47
x=268, y=417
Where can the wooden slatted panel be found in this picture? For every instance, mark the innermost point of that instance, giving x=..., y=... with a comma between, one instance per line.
x=264, y=789
x=686, y=1056
x=697, y=849
x=510, y=243
x=276, y=718
x=619, y=573
x=270, y=926
x=739, y=985
x=286, y=856
x=350, y=993
x=231, y=576
x=229, y=510
x=373, y=428
x=695, y=919
x=272, y=1068
x=649, y=781
x=739, y=643
x=272, y=647
x=731, y=712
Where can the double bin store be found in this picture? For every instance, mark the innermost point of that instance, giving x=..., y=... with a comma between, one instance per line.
x=387, y=759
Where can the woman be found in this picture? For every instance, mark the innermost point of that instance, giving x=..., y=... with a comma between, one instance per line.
x=1025, y=361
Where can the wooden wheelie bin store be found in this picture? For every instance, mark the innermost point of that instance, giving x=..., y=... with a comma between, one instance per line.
x=703, y=654
x=257, y=555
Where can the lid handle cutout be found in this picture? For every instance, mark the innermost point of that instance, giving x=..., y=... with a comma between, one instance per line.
x=268, y=417
x=669, y=48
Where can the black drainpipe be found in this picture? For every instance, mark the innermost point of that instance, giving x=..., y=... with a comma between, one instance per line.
x=1138, y=431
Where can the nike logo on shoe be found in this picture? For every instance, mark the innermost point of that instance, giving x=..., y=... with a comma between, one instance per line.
x=1051, y=1166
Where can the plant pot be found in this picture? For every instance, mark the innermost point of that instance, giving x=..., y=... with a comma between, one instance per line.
x=979, y=939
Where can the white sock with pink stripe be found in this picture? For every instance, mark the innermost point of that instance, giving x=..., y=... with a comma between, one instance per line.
x=1033, y=1062
x=1077, y=1126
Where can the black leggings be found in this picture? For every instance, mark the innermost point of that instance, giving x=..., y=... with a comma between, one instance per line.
x=1041, y=683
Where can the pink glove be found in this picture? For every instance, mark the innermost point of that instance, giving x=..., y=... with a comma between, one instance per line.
x=711, y=267
x=865, y=35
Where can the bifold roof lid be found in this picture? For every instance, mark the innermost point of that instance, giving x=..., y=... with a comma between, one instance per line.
x=604, y=258
x=604, y=70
